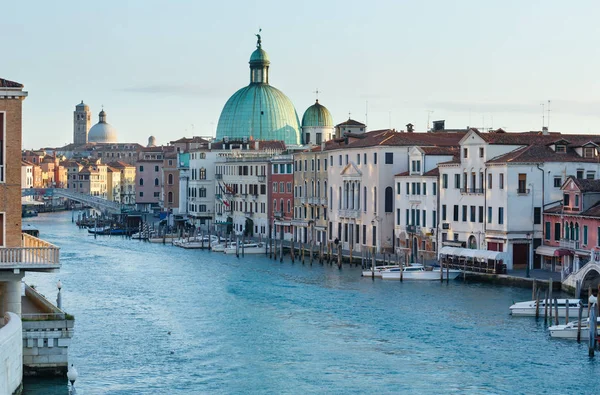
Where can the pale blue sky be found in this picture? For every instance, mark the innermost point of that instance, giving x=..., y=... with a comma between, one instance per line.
x=160, y=67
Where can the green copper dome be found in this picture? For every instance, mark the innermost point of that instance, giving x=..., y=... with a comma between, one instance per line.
x=259, y=110
x=317, y=115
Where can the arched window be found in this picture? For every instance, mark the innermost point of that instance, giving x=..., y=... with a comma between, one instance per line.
x=170, y=197
x=289, y=206
x=389, y=200
x=312, y=188
x=340, y=198
x=202, y=192
x=170, y=179
x=281, y=206
x=347, y=190
x=325, y=188
x=274, y=204
x=305, y=189
x=203, y=173
x=318, y=188
x=375, y=199
x=358, y=196
x=156, y=181
x=141, y=181
x=576, y=231
x=365, y=198
x=331, y=197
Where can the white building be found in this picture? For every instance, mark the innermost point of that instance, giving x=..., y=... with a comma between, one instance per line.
x=200, y=190
x=26, y=174
x=417, y=203
x=495, y=193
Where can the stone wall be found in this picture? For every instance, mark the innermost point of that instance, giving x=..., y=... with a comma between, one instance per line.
x=11, y=354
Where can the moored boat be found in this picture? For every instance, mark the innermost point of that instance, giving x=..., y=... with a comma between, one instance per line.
x=418, y=272
x=569, y=331
x=249, y=248
x=527, y=309
x=377, y=271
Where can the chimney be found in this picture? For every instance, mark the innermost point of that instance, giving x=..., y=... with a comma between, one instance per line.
x=409, y=128
x=545, y=130
x=256, y=145
x=439, y=125
x=322, y=145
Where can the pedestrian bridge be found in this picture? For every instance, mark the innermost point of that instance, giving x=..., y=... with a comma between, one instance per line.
x=587, y=276
x=92, y=201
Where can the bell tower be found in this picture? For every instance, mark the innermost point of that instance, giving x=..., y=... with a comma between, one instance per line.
x=81, y=123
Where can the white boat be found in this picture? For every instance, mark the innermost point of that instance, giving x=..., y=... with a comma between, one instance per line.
x=378, y=270
x=166, y=239
x=527, y=309
x=418, y=272
x=249, y=248
x=221, y=247
x=569, y=331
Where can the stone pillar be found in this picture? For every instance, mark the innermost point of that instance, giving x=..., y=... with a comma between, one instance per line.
x=12, y=296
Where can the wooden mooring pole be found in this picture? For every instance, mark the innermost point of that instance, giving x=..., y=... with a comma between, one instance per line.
x=550, y=299
x=579, y=323
x=340, y=256
x=292, y=250
x=537, y=304
x=555, y=311
x=546, y=306
x=566, y=311
x=592, y=335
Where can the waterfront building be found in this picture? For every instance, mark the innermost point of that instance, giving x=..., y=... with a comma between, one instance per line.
x=310, y=195
x=361, y=181
x=317, y=124
x=126, y=184
x=259, y=111
x=496, y=190
x=241, y=173
x=26, y=174
x=169, y=201
x=113, y=184
x=19, y=252
x=202, y=192
x=92, y=180
x=416, y=203
x=281, y=196
x=148, y=177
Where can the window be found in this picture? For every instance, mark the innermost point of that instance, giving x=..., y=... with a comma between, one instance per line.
x=537, y=215
x=481, y=152
x=457, y=181
x=480, y=214
x=397, y=216
x=275, y=187
x=424, y=218
x=141, y=168
x=282, y=187
x=202, y=192
x=561, y=148
x=340, y=160
x=465, y=152
x=434, y=219
x=389, y=200
x=398, y=188
x=156, y=182
x=500, y=215
x=547, y=231
x=407, y=217
x=434, y=188
x=346, y=158
x=445, y=181
x=489, y=185
x=389, y=158
x=589, y=152
x=424, y=188
x=170, y=197
x=576, y=200
x=1, y=214
x=585, y=234
x=374, y=158
x=590, y=175
x=472, y=209
x=358, y=159
x=364, y=232
x=455, y=212
x=501, y=181
x=170, y=179
x=202, y=208
x=557, y=182
x=579, y=173
x=141, y=194
x=365, y=160
x=141, y=182
x=464, y=213
x=566, y=197
x=203, y=173
x=443, y=212
x=557, y=232
x=156, y=168
x=489, y=216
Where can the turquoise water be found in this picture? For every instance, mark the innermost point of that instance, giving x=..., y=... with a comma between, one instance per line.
x=256, y=326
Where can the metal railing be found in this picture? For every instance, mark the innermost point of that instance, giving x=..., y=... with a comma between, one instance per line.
x=570, y=244
x=218, y=176
x=262, y=178
x=33, y=251
x=349, y=213
x=471, y=190
x=278, y=214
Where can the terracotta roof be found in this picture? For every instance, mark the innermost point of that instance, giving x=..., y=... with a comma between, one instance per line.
x=593, y=211
x=537, y=153
x=586, y=185
x=9, y=84
x=403, y=174
x=440, y=150
x=431, y=173
x=118, y=164
x=350, y=122
x=26, y=163
x=388, y=137
x=194, y=139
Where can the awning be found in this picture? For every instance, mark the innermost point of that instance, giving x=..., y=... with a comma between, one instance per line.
x=481, y=255
x=552, y=251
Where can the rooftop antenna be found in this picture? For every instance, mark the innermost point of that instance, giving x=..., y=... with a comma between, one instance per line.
x=548, y=115
x=349, y=114
x=543, y=115
x=429, y=112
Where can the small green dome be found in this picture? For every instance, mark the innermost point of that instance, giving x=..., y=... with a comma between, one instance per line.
x=262, y=112
x=317, y=115
x=259, y=56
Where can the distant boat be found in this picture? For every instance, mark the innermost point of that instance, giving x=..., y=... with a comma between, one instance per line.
x=527, y=309
x=378, y=270
x=418, y=272
x=249, y=248
x=99, y=230
x=29, y=213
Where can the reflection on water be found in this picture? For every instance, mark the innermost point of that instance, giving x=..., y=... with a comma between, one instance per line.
x=255, y=325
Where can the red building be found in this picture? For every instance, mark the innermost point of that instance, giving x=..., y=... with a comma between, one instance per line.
x=572, y=229
x=281, y=196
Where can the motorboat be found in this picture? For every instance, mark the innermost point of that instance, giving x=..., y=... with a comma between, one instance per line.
x=221, y=247
x=527, y=309
x=248, y=248
x=169, y=238
x=378, y=270
x=569, y=331
x=418, y=272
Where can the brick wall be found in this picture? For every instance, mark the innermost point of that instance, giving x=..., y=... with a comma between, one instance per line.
x=10, y=191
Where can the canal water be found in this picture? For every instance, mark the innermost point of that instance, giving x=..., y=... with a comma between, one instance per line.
x=256, y=326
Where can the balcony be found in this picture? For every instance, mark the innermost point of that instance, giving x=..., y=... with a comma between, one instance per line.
x=278, y=214
x=349, y=214
x=249, y=214
x=34, y=254
x=522, y=191
x=262, y=178
x=218, y=176
x=476, y=191
x=303, y=200
x=323, y=201
x=570, y=244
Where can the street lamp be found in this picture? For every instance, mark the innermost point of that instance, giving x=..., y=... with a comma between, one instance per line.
x=529, y=250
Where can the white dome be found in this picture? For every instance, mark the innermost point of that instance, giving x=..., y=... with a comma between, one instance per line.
x=102, y=132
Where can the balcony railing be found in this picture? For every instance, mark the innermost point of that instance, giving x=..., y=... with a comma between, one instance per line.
x=262, y=178
x=522, y=191
x=303, y=200
x=249, y=214
x=471, y=190
x=33, y=253
x=218, y=176
x=349, y=213
x=278, y=214
x=570, y=244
